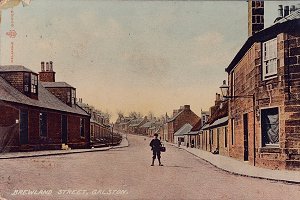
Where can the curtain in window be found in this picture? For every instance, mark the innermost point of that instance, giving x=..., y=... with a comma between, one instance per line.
x=271, y=126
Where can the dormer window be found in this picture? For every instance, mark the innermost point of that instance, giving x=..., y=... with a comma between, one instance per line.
x=269, y=59
x=34, y=84
x=30, y=83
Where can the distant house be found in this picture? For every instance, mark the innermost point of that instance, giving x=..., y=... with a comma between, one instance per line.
x=213, y=136
x=144, y=129
x=135, y=126
x=179, y=136
x=34, y=119
x=192, y=136
x=180, y=117
x=100, y=129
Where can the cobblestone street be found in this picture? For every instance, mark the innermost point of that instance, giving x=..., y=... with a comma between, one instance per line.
x=126, y=173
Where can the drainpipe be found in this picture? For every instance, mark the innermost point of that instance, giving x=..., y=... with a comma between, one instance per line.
x=254, y=148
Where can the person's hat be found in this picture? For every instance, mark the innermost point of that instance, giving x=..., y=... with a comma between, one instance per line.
x=155, y=134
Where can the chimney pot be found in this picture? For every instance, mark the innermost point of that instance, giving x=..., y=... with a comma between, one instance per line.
x=47, y=66
x=43, y=66
x=286, y=11
x=292, y=8
x=280, y=11
x=51, y=66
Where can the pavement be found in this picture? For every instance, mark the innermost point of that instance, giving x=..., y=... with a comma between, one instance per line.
x=243, y=168
x=14, y=155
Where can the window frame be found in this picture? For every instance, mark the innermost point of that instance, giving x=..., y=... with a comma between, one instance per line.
x=264, y=145
x=269, y=59
x=26, y=82
x=82, y=128
x=73, y=96
x=33, y=84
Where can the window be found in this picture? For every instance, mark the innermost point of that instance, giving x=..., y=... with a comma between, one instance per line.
x=225, y=136
x=43, y=124
x=270, y=126
x=82, y=127
x=269, y=59
x=232, y=131
x=232, y=84
x=26, y=82
x=34, y=84
x=69, y=97
x=73, y=96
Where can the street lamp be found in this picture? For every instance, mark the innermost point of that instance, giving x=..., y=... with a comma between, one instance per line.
x=225, y=93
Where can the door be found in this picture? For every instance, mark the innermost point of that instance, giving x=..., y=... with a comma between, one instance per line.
x=64, y=129
x=246, y=150
x=24, y=127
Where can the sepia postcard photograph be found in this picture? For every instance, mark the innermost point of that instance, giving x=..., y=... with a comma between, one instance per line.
x=149, y=100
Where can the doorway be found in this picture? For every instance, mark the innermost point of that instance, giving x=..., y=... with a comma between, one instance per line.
x=246, y=145
x=64, y=129
x=23, y=127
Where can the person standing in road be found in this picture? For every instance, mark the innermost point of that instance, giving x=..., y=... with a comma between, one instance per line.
x=155, y=147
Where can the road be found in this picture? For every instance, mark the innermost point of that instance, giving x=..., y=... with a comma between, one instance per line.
x=126, y=174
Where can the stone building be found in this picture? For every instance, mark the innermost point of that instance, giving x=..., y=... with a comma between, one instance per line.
x=264, y=85
x=180, y=117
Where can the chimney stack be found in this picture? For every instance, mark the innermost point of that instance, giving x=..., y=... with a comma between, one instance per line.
x=286, y=11
x=47, y=75
x=187, y=107
x=255, y=16
x=42, y=66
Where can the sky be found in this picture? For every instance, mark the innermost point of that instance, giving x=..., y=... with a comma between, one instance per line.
x=133, y=55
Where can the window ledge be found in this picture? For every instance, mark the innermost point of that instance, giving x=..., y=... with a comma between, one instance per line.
x=270, y=149
x=269, y=77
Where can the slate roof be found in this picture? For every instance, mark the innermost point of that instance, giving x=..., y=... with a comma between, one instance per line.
x=56, y=85
x=197, y=126
x=266, y=34
x=184, y=129
x=175, y=116
x=292, y=16
x=136, y=122
x=219, y=122
x=46, y=99
x=147, y=124
x=14, y=68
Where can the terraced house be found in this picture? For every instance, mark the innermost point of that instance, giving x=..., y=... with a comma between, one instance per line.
x=32, y=118
x=264, y=92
